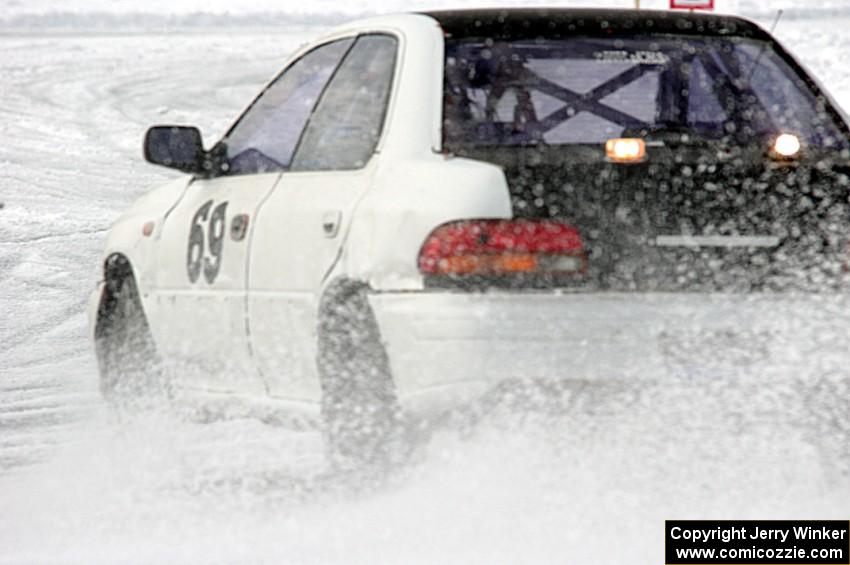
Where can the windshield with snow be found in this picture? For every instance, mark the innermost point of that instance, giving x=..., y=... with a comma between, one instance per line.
x=585, y=90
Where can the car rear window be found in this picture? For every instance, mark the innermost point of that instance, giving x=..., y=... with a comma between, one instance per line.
x=585, y=90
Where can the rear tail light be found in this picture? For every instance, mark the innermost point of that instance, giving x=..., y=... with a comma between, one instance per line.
x=498, y=247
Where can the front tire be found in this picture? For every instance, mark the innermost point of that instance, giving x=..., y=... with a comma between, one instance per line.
x=131, y=374
x=360, y=410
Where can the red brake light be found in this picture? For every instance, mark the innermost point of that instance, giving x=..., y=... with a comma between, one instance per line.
x=488, y=247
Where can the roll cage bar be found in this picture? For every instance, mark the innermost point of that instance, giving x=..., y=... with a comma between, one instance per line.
x=673, y=106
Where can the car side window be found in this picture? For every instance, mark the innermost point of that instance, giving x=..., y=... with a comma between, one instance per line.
x=347, y=123
x=265, y=137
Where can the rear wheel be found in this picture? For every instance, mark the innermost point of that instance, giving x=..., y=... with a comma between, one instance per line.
x=131, y=374
x=362, y=419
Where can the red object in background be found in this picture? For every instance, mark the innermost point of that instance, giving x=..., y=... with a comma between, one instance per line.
x=691, y=4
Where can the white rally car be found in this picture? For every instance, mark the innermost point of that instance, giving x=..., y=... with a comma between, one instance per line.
x=422, y=206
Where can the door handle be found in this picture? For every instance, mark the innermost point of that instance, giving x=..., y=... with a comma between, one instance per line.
x=330, y=222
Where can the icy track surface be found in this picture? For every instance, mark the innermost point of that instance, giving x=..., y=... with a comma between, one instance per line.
x=78, y=486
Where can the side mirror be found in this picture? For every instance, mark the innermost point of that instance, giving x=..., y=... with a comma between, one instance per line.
x=176, y=147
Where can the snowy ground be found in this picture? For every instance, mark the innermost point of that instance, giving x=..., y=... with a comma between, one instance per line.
x=75, y=486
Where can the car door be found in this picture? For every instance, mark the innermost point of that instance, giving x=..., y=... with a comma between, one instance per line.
x=302, y=226
x=205, y=241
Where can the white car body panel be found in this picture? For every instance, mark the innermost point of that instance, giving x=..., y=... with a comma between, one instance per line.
x=407, y=202
x=201, y=327
x=291, y=255
x=451, y=347
x=125, y=236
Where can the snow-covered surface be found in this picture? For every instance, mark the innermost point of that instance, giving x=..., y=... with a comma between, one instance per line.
x=166, y=7
x=109, y=15
x=78, y=486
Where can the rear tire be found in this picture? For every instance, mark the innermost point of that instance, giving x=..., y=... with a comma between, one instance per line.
x=361, y=415
x=131, y=374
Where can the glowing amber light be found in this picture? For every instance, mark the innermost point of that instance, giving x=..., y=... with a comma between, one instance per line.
x=471, y=264
x=787, y=145
x=627, y=150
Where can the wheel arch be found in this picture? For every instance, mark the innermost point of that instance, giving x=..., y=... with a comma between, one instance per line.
x=117, y=267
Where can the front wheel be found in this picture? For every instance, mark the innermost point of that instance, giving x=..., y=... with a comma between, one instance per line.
x=131, y=374
x=363, y=422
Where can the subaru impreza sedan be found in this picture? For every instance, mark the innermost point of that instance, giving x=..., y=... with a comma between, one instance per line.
x=422, y=207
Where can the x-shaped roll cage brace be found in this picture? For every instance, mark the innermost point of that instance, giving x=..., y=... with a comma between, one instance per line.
x=591, y=101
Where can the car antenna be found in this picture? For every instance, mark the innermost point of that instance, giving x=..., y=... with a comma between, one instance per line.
x=776, y=20
x=779, y=14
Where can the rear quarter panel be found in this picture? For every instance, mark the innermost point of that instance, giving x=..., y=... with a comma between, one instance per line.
x=410, y=198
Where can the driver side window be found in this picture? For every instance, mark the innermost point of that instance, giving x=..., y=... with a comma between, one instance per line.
x=265, y=137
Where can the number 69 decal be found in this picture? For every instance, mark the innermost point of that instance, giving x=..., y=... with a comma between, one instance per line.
x=196, y=257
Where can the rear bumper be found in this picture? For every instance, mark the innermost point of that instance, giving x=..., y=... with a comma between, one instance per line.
x=449, y=347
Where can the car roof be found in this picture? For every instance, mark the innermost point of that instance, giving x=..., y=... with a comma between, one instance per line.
x=564, y=22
